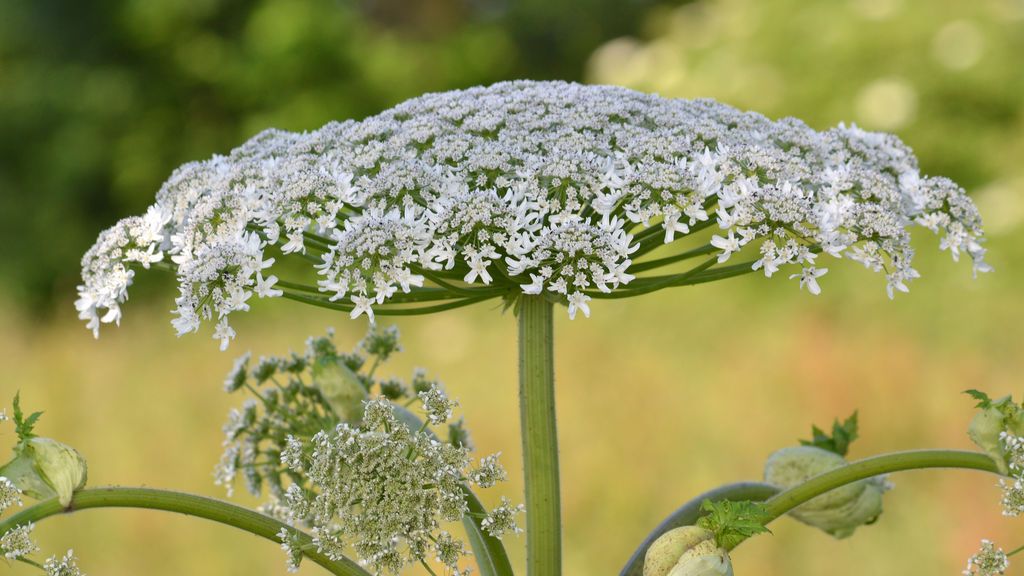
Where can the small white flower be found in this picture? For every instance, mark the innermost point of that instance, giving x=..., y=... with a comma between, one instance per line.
x=265, y=286
x=809, y=278
x=478, y=268
x=363, y=306
x=295, y=243
x=673, y=225
x=536, y=286
x=727, y=245
x=578, y=302
x=224, y=332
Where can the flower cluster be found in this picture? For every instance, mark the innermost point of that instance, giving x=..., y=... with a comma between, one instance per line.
x=385, y=490
x=1013, y=489
x=524, y=188
x=10, y=495
x=17, y=542
x=342, y=455
x=989, y=561
x=63, y=566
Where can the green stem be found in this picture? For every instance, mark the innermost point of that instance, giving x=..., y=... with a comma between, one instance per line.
x=875, y=466
x=540, y=440
x=181, y=503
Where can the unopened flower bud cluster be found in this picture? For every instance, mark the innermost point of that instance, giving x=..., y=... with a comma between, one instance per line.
x=322, y=469
x=525, y=187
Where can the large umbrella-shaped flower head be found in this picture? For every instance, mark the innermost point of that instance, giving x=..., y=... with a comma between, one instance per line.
x=574, y=192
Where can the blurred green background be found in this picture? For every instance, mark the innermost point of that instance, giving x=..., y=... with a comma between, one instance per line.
x=660, y=397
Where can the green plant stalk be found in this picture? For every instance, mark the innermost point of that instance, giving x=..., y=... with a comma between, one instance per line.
x=540, y=439
x=181, y=503
x=787, y=500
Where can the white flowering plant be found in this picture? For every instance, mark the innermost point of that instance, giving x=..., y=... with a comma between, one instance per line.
x=538, y=195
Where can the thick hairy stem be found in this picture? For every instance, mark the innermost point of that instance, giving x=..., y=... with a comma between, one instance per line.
x=874, y=466
x=181, y=503
x=540, y=440
x=688, y=513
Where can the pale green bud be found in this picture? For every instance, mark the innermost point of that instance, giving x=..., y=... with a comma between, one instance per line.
x=341, y=388
x=987, y=425
x=44, y=468
x=687, y=551
x=838, y=512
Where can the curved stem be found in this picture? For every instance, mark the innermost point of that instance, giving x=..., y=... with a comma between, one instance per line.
x=540, y=440
x=688, y=513
x=181, y=503
x=870, y=467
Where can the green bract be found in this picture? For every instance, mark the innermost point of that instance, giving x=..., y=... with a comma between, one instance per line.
x=987, y=426
x=838, y=512
x=43, y=468
x=340, y=387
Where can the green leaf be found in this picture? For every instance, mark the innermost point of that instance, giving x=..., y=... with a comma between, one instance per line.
x=843, y=434
x=23, y=426
x=733, y=521
x=983, y=399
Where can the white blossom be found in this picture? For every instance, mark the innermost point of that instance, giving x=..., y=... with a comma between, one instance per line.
x=384, y=490
x=17, y=542
x=502, y=519
x=809, y=278
x=62, y=566
x=523, y=187
x=989, y=561
x=578, y=302
x=10, y=495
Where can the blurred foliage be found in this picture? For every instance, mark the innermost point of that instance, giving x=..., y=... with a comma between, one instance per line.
x=100, y=100
x=946, y=75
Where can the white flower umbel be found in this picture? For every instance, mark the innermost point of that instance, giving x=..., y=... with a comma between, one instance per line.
x=10, y=495
x=989, y=561
x=17, y=542
x=385, y=490
x=1013, y=497
x=572, y=191
x=64, y=566
x=1013, y=489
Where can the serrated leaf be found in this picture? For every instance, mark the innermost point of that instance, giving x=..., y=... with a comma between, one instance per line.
x=843, y=434
x=984, y=401
x=23, y=426
x=733, y=521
